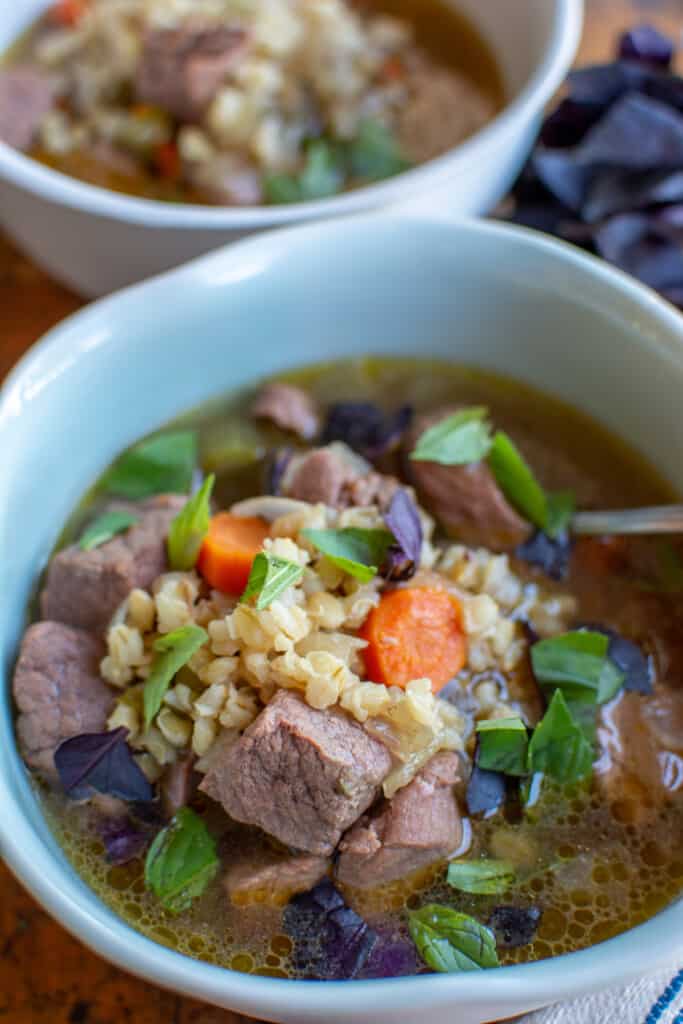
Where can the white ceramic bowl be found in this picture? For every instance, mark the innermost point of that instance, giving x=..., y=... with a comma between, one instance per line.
x=95, y=240
x=485, y=294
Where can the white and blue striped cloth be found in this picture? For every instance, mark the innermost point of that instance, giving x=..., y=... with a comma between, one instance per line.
x=656, y=999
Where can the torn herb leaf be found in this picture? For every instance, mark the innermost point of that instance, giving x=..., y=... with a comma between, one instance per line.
x=270, y=576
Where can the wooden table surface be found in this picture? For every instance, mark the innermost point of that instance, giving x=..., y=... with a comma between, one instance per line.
x=46, y=976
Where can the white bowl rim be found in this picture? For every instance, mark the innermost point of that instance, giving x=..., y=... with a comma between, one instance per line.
x=531, y=985
x=60, y=188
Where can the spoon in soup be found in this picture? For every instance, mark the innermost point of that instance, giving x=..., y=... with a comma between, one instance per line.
x=658, y=519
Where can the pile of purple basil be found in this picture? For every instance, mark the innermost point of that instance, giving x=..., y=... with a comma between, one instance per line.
x=607, y=172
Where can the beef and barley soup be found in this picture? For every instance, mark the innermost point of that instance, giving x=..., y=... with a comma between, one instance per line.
x=320, y=685
x=234, y=103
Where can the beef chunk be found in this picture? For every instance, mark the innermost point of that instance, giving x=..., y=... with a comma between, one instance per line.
x=465, y=499
x=338, y=477
x=58, y=691
x=84, y=588
x=371, y=489
x=420, y=825
x=319, y=476
x=640, y=742
x=178, y=785
x=181, y=69
x=302, y=775
x=267, y=875
x=26, y=96
x=289, y=408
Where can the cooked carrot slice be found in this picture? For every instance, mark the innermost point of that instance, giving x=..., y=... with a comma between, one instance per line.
x=167, y=161
x=414, y=633
x=393, y=70
x=67, y=12
x=229, y=549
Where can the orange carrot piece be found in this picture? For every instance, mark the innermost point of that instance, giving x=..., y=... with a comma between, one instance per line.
x=393, y=70
x=229, y=549
x=414, y=633
x=167, y=161
x=67, y=13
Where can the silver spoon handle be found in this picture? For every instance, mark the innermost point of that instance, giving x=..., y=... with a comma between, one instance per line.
x=662, y=519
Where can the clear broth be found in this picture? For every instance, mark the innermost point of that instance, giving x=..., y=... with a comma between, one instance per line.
x=593, y=875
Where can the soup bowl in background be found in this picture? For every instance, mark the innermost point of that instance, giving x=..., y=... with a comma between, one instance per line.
x=486, y=294
x=95, y=240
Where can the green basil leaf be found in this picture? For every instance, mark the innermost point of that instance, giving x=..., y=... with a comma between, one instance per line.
x=517, y=482
x=356, y=551
x=374, y=153
x=481, y=877
x=458, y=440
x=189, y=528
x=281, y=188
x=164, y=464
x=269, y=577
x=322, y=176
x=579, y=664
x=105, y=527
x=586, y=717
x=173, y=651
x=503, y=745
x=449, y=941
x=561, y=506
x=551, y=513
x=559, y=747
x=181, y=861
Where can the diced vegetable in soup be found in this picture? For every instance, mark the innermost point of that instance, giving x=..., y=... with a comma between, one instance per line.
x=273, y=101
x=321, y=685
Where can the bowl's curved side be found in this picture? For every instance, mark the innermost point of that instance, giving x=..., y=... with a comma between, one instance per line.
x=482, y=293
x=96, y=241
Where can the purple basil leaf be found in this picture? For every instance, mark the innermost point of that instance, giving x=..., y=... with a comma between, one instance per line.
x=637, y=133
x=547, y=216
x=486, y=791
x=646, y=44
x=667, y=222
x=607, y=173
x=330, y=940
x=393, y=956
x=666, y=88
x=638, y=668
x=123, y=839
x=615, y=236
x=674, y=295
x=276, y=469
x=633, y=242
x=104, y=762
x=515, y=926
x=613, y=192
x=562, y=174
x=550, y=554
x=403, y=519
x=598, y=86
x=568, y=123
x=365, y=428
